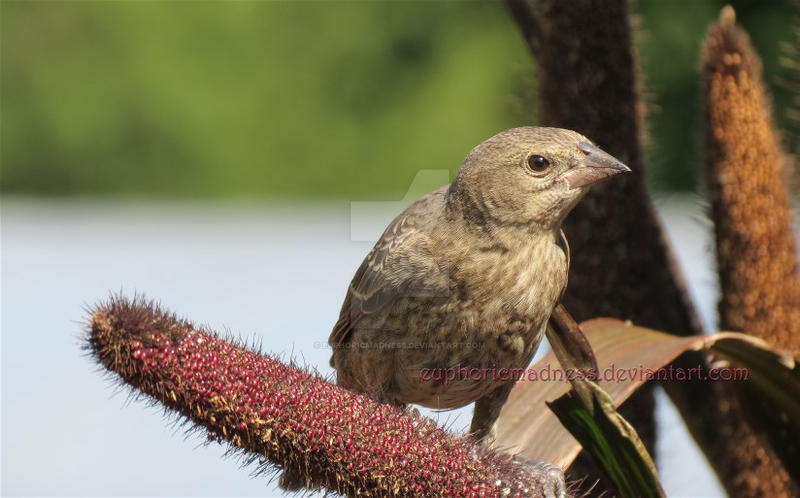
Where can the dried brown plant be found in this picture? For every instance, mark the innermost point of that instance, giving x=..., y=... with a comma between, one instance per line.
x=756, y=249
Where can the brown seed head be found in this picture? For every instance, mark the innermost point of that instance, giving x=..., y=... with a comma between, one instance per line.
x=756, y=250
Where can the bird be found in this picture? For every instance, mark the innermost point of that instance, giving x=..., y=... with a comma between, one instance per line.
x=462, y=283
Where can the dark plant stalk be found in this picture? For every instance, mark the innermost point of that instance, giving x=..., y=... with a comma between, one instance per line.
x=284, y=417
x=621, y=261
x=588, y=75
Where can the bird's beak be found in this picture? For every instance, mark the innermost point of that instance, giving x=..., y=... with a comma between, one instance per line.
x=596, y=166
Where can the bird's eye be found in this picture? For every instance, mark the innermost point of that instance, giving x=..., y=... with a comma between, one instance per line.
x=537, y=163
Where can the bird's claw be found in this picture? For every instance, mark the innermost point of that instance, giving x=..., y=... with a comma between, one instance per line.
x=551, y=476
x=413, y=412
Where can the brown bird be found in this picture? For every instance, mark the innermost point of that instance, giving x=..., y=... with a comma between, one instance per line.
x=462, y=283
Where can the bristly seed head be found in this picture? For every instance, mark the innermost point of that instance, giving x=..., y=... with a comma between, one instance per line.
x=270, y=411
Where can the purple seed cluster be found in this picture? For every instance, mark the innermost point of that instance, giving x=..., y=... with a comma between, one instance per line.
x=295, y=420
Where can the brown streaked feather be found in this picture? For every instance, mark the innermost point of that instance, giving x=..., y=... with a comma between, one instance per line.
x=563, y=243
x=391, y=270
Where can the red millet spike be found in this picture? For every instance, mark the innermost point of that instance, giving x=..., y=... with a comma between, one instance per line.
x=331, y=437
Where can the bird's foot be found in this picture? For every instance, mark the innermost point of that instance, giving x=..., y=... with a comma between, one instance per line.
x=551, y=476
x=413, y=412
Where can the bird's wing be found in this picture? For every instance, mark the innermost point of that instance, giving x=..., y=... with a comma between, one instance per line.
x=564, y=245
x=400, y=265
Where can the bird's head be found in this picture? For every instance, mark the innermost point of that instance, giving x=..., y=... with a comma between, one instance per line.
x=530, y=176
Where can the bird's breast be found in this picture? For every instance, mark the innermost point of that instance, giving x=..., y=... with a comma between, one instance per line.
x=525, y=281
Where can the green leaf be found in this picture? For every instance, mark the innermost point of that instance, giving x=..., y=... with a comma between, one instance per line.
x=611, y=440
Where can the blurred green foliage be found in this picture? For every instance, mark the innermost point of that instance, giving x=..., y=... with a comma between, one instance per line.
x=309, y=99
